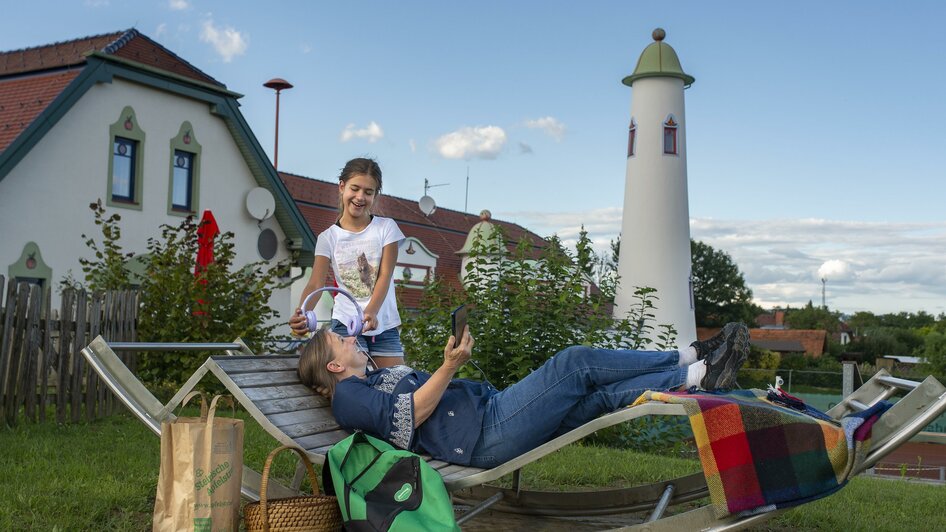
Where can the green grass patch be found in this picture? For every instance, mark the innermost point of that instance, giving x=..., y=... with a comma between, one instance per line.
x=102, y=476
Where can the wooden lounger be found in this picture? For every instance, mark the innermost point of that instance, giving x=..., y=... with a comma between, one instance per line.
x=268, y=387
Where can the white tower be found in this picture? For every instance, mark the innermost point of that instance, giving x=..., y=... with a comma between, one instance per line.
x=655, y=231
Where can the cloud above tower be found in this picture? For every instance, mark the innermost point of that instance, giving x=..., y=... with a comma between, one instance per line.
x=481, y=142
x=371, y=132
x=549, y=125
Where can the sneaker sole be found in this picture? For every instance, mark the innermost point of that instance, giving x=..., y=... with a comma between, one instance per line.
x=726, y=377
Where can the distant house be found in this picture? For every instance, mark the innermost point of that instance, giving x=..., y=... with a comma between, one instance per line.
x=433, y=245
x=122, y=119
x=785, y=341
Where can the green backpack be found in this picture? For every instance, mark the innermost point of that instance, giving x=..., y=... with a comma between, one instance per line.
x=380, y=487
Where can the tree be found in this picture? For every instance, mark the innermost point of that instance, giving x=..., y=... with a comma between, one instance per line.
x=719, y=289
x=934, y=353
x=812, y=317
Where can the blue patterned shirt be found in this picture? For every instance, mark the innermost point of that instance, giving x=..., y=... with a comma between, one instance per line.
x=382, y=404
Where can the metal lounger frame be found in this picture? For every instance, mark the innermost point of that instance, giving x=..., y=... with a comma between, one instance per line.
x=268, y=388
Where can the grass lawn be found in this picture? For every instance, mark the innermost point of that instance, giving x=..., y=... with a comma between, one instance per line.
x=102, y=476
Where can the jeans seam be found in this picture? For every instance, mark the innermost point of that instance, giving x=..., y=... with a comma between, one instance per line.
x=559, y=381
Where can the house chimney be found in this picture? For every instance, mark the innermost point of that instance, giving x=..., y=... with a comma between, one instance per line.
x=780, y=318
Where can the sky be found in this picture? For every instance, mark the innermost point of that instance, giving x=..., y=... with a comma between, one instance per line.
x=815, y=145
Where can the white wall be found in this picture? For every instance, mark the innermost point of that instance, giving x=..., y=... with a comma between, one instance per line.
x=45, y=197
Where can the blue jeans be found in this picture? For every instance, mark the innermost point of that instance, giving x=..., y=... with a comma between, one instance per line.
x=384, y=344
x=575, y=386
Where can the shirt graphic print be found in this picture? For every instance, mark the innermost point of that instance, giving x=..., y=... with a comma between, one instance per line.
x=357, y=264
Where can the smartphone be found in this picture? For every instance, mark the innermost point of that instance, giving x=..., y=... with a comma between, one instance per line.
x=457, y=323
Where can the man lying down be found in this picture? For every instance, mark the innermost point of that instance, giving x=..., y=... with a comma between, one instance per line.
x=471, y=423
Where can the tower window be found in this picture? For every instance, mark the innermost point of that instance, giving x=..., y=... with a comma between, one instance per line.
x=631, y=138
x=670, y=136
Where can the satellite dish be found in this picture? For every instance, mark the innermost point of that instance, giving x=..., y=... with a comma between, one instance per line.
x=260, y=203
x=267, y=244
x=427, y=205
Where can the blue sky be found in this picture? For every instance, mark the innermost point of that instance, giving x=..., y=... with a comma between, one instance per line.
x=815, y=145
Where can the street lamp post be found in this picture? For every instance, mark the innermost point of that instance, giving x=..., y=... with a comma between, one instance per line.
x=277, y=84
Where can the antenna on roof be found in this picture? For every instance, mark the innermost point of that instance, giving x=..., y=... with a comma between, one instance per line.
x=426, y=203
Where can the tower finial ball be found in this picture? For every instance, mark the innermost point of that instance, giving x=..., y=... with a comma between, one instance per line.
x=659, y=34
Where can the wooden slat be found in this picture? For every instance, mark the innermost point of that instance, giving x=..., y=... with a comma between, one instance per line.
x=277, y=392
x=274, y=406
x=91, y=377
x=462, y=473
x=298, y=430
x=301, y=416
x=14, y=374
x=47, y=357
x=7, y=344
x=65, y=331
x=450, y=469
x=78, y=362
x=32, y=361
x=237, y=365
x=322, y=439
x=265, y=378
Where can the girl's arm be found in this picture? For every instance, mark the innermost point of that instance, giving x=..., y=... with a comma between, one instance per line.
x=317, y=280
x=381, y=285
x=428, y=396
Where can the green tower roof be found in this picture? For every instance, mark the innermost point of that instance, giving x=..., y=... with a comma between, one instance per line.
x=658, y=60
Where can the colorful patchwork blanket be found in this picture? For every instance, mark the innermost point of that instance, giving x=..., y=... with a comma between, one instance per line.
x=759, y=455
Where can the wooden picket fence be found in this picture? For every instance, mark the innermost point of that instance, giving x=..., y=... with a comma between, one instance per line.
x=40, y=363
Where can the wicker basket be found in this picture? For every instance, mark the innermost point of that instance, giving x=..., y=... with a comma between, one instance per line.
x=293, y=514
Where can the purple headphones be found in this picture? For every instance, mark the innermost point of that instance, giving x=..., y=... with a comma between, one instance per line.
x=354, y=325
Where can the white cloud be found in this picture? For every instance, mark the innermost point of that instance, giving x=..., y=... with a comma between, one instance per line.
x=875, y=266
x=372, y=132
x=178, y=5
x=834, y=270
x=227, y=41
x=483, y=142
x=160, y=30
x=551, y=126
x=413, y=145
x=96, y=3
x=305, y=47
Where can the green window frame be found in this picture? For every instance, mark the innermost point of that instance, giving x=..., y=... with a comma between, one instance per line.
x=184, y=173
x=126, y=142
x=31, y=267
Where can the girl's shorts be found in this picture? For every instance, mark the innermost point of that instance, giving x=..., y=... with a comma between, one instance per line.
x=386, y=344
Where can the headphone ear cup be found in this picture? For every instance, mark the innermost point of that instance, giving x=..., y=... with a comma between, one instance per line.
x=311, y=321
x=355, y=326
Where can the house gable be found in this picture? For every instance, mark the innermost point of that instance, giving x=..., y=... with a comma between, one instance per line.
x=23, y=124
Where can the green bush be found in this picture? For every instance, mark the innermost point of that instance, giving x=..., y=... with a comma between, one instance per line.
x=219, y=304
x=523, y=310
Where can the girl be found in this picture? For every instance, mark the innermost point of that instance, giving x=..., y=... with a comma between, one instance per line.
x=362, y=250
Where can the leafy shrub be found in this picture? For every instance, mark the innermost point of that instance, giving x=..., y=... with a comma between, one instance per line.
x=218, y=305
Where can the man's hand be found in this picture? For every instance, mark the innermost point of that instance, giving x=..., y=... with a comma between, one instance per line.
x=454, y=357
x=298, y=323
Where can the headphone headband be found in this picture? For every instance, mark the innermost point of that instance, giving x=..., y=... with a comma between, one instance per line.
x=354, y=325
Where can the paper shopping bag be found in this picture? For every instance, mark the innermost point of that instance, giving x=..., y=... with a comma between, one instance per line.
x=201, y=472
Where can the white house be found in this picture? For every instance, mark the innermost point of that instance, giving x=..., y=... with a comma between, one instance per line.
x=121, y=119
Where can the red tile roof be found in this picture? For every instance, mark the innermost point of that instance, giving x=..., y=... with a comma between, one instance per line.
x=812, y=342
x=443, y=233
x=56, y=55
x=22, y=99
x=33, y=77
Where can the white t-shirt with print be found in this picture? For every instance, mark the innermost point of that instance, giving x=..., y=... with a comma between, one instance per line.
x=356, y=259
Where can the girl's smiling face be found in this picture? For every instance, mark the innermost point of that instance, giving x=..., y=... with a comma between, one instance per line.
x=358, y=195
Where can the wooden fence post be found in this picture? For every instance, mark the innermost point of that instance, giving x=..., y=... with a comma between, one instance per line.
x=65, y=332
x=6, y=341
x=13, y=373
x=31, y=362
x=48, y=357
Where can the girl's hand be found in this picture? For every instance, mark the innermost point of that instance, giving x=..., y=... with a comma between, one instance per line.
x=369, y=321
x=297, y=323
x=457, y=356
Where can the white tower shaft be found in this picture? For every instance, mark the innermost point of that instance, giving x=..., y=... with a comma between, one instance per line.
x=655, y=231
